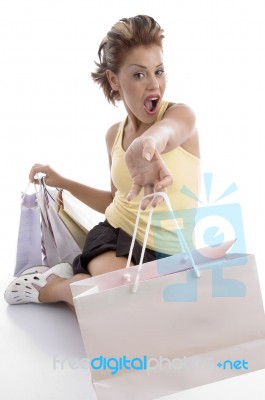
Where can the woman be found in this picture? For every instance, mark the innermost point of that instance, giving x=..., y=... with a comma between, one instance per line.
x=156, y=148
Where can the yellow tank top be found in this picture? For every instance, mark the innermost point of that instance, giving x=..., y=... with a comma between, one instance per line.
x=121, y=213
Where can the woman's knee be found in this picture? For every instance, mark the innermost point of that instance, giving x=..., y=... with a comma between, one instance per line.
x=105, y=263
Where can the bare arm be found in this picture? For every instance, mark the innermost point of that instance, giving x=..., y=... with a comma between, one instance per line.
x=177, y=128
x=97, y=199
x=143, y=157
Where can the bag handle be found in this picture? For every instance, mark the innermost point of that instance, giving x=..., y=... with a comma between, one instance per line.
x=24, y=193
x=184, y=247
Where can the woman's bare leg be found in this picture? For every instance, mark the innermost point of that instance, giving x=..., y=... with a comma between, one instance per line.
x=106, y=262
x=58, y=289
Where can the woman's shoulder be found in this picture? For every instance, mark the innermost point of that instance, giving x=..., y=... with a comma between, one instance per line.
x=111, y=135
x=179, y=111
x=179, y=106
x=169, y=109
x=112, y=131
x=175, y=111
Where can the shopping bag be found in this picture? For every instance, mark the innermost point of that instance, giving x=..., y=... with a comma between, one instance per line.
x=78, y=231
x=29, y=241
x=58, y=243
x=79, y=212
x=157, y=328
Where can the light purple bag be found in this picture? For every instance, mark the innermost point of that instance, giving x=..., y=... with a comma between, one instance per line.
x=43, y=238
x=29, y=243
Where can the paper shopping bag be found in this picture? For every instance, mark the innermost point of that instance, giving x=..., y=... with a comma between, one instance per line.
x=175, y=331
x=79, y=212
x=77, y=216
x=58, y=243
x=29, y=248
x=78, y=231
x=43, y=238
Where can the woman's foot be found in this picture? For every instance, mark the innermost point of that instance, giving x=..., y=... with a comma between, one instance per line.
x=32, y=285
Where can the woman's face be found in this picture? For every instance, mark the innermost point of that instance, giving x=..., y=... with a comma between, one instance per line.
x=141, y=82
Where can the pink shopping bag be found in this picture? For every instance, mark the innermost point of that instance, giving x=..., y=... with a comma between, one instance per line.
x=157, y=328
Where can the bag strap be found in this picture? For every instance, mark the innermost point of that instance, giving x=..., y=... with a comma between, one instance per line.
x=24, y=193
x=183, y=244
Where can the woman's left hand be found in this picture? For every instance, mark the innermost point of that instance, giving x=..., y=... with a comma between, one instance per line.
x=147, y=170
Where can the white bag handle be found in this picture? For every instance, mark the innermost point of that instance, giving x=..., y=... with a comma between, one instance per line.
x=184, y=247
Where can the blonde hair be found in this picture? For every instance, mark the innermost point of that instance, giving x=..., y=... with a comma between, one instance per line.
x=126, y=34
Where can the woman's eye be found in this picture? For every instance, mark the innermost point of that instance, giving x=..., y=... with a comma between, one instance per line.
x=160, y=72
x=138, y=75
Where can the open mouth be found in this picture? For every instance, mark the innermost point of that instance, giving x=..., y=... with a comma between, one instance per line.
x=150, y=105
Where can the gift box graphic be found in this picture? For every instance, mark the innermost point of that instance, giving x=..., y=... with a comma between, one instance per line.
x=208, y=230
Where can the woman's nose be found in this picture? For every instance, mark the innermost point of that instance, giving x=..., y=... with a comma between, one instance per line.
x=152, y=83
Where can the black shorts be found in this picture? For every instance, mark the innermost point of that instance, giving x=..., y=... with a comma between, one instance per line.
x=103, y=237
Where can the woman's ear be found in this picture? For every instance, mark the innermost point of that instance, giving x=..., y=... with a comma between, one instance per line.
x=113, y=80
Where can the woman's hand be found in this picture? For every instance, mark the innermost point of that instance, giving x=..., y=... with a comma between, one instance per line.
x=51, y=177
x=147, y=170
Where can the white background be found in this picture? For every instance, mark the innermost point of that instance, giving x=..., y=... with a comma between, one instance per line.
x=51, y=112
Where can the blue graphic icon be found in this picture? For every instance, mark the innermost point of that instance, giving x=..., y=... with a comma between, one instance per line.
x=217, y=227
